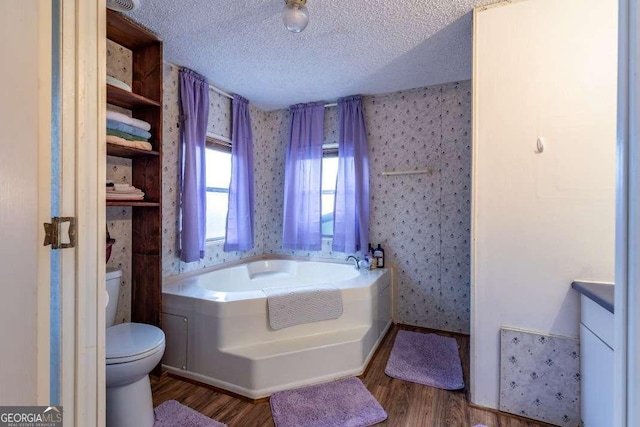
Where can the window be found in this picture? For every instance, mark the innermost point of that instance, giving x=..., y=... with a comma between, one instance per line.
x=218, y=158
x=329, y=178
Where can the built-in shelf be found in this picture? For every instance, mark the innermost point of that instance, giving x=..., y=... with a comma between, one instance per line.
x=129, y=100
x=127, y=33
x=145, y=104
x=133, y=203
x=128, y=152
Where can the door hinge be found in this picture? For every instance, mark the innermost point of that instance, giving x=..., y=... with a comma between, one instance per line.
x=53, y=232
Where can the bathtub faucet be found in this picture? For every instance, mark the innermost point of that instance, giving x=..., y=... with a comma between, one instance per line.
x=356, y=261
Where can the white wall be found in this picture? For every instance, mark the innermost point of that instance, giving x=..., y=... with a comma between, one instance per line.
x=18, y=201
x=542, y=68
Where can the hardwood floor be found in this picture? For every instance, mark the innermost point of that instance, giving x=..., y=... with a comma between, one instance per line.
x=406, y=403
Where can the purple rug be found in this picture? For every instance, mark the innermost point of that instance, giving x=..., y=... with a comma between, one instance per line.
x=427, y=359
x=174, y=414
x=344, y=403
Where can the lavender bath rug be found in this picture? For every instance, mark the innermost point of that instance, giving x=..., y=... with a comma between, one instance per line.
x=427, y=359
x=174, y=414
x=344, y=403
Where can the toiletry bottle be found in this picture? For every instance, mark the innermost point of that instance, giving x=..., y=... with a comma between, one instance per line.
x=369, y=255
x=370, y=258
x=378, y=256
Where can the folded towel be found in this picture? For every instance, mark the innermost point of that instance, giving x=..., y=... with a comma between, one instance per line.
x=302, y=304
x=124, y=188
x=118, y=83
x=112, y=196
x=122, y=118
x=123, y=127
x=124, y=192
x=125, y=135
x=140, y=145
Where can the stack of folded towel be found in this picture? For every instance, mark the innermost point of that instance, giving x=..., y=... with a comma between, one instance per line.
x=118, y=83
x=123, y=192
x=127, y=131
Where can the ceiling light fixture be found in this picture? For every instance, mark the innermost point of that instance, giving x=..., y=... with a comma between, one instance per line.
x=295, y=15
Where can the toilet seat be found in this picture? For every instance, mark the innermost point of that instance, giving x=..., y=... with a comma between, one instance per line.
x=128, y=342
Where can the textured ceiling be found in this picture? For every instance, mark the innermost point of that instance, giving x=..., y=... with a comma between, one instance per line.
x=349, y=47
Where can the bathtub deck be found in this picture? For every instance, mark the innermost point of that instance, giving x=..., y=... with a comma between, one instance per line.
x=407, y=404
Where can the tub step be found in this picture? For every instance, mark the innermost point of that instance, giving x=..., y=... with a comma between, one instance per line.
x=297, y=345
x=258, y=370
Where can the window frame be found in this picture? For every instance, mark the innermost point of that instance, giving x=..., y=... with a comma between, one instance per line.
x=223, y=146
x=328, y=151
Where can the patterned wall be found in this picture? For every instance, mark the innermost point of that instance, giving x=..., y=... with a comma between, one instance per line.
x=119, y=170
x=422, y=221
x=219, y=113
x=540, y=376
x=119, y=62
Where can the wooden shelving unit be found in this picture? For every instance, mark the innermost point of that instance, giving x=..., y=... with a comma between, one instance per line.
x=127, y=152
x=128, y=100
x=145, y=103
x=133, y=203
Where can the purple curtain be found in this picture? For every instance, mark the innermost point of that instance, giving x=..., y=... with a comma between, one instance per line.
x=239, y=235
x=194, y=110
x=302, y=179
x=351, y=213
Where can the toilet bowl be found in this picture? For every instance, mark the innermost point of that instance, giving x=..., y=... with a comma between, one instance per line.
x=132, y=351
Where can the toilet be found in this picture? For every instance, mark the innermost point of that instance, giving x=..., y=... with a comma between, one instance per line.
x=132, y=351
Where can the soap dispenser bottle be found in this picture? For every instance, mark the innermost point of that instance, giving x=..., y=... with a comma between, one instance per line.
x=378, y=255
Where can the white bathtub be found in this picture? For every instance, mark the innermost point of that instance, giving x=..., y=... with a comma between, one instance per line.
x=217, y=328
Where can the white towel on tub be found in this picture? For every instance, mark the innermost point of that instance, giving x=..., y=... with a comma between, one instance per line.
x=302, y=304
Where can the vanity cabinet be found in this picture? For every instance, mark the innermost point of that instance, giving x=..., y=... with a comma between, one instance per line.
x=596, y=362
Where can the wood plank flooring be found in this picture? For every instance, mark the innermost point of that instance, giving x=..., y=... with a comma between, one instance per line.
x=406, y=403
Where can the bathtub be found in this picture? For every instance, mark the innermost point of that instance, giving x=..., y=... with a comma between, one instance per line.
x=217, y=327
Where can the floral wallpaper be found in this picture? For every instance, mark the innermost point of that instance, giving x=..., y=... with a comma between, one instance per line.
x=540, y=376
x=219, y=120
x=119, y=62
x=119, y=225
x=119, y=65
x=219, y=124
x=422, y=221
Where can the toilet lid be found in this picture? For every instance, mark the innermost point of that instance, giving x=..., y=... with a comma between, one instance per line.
x=131, y=339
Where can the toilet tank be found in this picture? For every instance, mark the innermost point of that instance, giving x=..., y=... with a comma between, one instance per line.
x=113, y=290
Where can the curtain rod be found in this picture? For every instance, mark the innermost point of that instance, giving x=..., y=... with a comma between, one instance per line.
x=228, y=95
x=220, y=91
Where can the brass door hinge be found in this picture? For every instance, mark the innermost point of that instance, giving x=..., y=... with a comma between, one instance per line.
x=53, y=232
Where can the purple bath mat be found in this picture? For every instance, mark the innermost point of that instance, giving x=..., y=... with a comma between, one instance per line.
x=427, y=359
x=174, y=414
x=344, y=403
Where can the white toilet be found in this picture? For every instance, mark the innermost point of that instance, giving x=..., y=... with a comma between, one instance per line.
x=132, y=351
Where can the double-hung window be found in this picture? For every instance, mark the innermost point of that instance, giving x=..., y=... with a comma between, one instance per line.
x=328, y=189
x=218, y=158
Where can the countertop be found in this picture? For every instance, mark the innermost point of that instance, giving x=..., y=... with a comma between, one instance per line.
x=600, y=293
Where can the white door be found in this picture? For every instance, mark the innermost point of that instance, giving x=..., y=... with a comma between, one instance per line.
x=52, y=302
x=25, y=201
